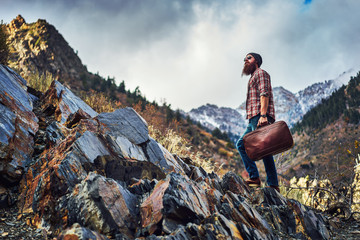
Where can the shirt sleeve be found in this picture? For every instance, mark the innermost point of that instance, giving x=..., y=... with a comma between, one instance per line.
x=264, y=83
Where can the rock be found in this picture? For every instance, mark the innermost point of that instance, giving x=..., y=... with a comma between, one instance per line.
x=161, y=157
x=78, y=232
x=4, y=195
x=176, y=199
x=101, y=204
x=291, y=217
x=17, y=22
x=126, y=170
x=125, y=122
x=233, y=183
x=64, y=102
x=18, y=125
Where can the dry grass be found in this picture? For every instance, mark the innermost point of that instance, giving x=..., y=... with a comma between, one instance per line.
x=99, y=101
x=178, y=145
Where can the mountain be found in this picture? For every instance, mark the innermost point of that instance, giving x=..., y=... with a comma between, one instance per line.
x=40, y=47
x=327, y=138
x=289, y=107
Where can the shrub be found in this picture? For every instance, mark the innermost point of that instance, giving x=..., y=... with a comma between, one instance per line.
x=99, y=102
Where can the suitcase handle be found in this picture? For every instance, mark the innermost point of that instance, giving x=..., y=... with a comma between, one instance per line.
x=263, y=125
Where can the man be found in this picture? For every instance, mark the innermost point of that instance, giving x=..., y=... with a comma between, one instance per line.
x=259, y=110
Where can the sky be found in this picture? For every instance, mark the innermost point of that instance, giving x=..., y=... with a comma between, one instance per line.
x=188, y=53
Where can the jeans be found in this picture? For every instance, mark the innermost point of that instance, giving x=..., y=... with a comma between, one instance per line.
x=250, y=166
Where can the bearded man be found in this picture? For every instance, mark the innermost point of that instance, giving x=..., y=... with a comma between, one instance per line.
x=259, y=110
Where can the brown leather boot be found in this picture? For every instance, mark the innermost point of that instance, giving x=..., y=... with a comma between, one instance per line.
x=253, y=182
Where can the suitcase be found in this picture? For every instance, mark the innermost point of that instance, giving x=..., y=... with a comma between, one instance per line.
x=268, y=140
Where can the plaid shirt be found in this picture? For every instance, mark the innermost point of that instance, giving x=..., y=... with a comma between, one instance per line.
x=259, y=85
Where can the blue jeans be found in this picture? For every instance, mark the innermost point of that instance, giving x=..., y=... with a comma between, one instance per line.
x=250, y=166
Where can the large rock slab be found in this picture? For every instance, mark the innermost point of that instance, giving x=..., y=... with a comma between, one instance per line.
x=125, y=122
x=18, y=125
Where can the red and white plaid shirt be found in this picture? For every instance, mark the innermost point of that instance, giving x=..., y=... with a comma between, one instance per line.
x=259, y=85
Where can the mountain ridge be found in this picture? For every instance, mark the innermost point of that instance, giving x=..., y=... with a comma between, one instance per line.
x=290, y=107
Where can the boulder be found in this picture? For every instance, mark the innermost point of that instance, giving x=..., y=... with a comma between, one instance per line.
x=101, y=204
x=176, y=200
x=18, y=125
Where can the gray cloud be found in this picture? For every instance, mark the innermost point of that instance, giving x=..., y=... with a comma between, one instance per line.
x=190, y=52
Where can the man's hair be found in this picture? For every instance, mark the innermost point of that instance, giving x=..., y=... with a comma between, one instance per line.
x=257, y=57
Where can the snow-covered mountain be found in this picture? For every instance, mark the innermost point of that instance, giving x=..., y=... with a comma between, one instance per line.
x=289, y=107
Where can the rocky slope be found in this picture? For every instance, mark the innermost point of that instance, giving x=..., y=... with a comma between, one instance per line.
x=75, y=173
x=40, y=47
x=289, y=107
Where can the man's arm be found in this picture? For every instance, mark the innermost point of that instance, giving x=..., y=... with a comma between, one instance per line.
x=264, y=103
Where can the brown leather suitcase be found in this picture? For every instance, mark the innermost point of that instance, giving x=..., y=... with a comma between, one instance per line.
x=268, y=140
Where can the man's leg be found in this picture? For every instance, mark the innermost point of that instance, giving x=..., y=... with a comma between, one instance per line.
x=271, y=174
x=249, y=164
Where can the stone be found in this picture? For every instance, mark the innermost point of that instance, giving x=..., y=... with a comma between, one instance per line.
x=233, y=183
x=177, y=199
x=101, y=204
x=125, y=122
x=161, y=157
x=64, y=103
x=78, y=232
x=18, y=125
x=291, y=217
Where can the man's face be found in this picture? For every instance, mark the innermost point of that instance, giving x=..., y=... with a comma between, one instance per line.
x=249, y=65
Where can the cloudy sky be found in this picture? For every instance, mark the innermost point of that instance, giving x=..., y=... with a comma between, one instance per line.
x=190, y=52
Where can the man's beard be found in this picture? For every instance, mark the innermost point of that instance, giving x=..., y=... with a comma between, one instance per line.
x=248, y=69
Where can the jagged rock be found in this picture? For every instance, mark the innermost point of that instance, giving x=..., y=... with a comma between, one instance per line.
x=161, y=157
x=291, y=217
x=101, y=204
x=235, y=184
x=125, y=122
x=78, y=232
x=18, y=125
x=17, y=22
x=127, y=170
x=64, y=102
x=177, y=199
x=249, y=221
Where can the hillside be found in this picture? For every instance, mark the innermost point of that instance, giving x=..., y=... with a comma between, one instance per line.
x=38, y=49
x=77, y=174
x=327, y=139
